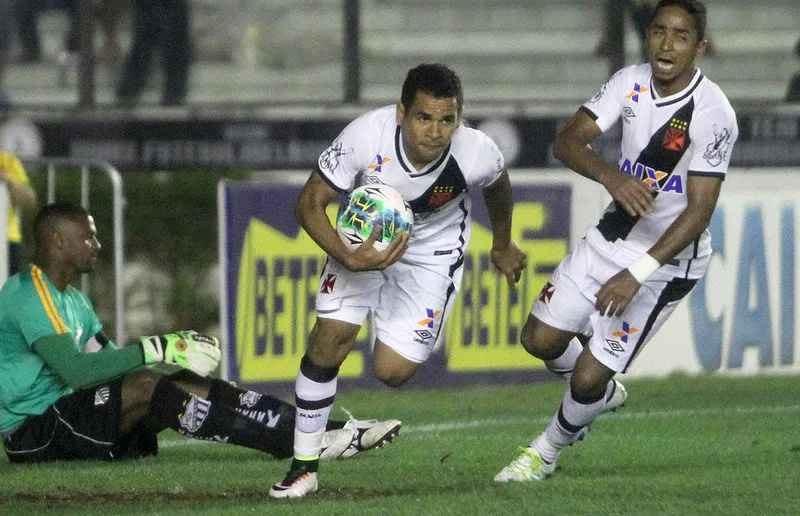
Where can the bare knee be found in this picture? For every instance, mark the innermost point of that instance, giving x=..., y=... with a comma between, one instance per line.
x=391, y=379
x=394, y=373
x=391, y=368
x=543, y=341
x=590, y=378
x=587, y=388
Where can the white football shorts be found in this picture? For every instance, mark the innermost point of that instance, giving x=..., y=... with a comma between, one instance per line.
x=410, y=302
x=567, y=303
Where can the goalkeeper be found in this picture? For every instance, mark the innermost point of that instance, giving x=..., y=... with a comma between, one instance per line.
x=61, y=401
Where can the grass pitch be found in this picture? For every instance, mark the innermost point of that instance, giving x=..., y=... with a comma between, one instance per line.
x=681, y=446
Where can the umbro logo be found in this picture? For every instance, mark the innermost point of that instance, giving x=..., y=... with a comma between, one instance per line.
x=424, y=334
x=615, y=346
x=628, y=113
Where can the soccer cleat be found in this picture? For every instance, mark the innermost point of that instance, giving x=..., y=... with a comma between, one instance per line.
x=298, y=482
x=358, y=436
x=335, y=442
x=617, y=399
x=527, y=467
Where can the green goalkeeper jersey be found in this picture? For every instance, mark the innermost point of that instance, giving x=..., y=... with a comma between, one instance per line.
x=32, y=308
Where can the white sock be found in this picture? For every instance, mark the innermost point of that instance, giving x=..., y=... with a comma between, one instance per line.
x=566, y=425
x=564, y=364
x=314, y=403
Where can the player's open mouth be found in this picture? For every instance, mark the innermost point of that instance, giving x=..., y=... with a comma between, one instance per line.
x=664, y=63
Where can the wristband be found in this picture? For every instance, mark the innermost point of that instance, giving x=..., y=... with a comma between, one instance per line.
x=643, y=267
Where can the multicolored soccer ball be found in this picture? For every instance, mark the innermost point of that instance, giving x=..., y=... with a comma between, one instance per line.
x=371, y=205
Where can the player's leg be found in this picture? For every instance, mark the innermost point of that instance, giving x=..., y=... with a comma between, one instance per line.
x=163, y=403
x=580, y=406
x=415, y=302
x=560, y=315
x=342, y=438
x=614, y=344
x=577, y=411
x=343, y=303
x=274, y=415
x=329, y=343
x=558, y=349
x=390, y=367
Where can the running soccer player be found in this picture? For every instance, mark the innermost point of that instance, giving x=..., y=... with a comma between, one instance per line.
x=651, y=244
x=59, y=401
x=420, y=148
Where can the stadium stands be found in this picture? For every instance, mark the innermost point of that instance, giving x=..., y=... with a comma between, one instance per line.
x=542, y=51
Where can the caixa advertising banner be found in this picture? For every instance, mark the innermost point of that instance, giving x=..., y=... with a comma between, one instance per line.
x=271, y=270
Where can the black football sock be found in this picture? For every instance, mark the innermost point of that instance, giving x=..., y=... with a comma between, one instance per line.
x=201, y=419
x=261, y=407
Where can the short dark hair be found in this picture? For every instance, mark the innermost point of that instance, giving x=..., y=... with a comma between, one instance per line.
x=695, y=8
x=45, y=222
x=436, y=80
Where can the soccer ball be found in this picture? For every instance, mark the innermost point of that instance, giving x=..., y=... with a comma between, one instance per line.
x=371, y=205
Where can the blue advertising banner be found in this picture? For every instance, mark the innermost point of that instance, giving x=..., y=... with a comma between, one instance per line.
x=271, y=275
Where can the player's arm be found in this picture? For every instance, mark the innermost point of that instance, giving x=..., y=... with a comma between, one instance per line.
x=310, y=211
x=506, y=255
x=572, y=147
x=78, y=369
x=188, y=349
x=702, y=193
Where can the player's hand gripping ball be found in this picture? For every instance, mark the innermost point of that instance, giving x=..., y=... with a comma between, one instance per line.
x=369, y=206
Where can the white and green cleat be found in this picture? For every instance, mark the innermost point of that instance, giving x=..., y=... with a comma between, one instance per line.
x=529, y=466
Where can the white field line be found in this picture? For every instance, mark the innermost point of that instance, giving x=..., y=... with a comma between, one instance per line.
x=494, y=422
x=620, y=414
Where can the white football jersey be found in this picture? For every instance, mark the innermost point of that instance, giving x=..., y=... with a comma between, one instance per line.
x=370, y=150
x=664, y=140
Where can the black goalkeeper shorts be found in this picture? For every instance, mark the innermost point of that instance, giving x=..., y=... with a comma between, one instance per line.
x=81, y=425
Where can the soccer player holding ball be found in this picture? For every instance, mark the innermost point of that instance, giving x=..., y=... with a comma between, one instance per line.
x=420, y=148
x=651, y=245
x=67, y=392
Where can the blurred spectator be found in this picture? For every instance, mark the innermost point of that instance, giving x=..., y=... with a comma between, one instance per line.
x=158, y=25
x=21, y=198
x=793, y=93
x=109, y=14
x=26, y=15
x=639, y=11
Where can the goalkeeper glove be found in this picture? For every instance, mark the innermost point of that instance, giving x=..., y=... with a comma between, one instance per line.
x=188, y=349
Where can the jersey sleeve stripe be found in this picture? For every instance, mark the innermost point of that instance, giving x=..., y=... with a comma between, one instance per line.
x=47, y=301
x=700, y=173
x=589, y=112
